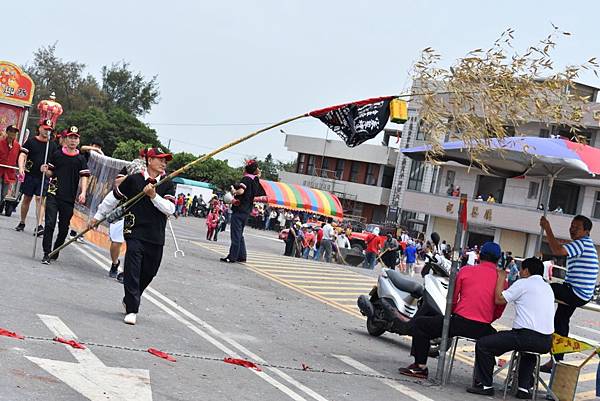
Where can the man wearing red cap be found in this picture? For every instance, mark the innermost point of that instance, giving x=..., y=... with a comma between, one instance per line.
x=33, y=156
x=144, y=225
x=68, y=169
x=9, y=153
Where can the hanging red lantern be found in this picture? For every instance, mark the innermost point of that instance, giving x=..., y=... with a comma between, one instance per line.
x=49, y=109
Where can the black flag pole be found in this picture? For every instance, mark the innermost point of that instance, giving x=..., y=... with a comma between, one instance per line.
x=353, y=124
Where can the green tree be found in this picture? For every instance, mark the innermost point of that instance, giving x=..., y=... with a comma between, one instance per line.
x=75, y=90
x=113, y=127
x=286, y=166
x=127, y=90
x=268, y=168
x=129, y=149
x=217, y=172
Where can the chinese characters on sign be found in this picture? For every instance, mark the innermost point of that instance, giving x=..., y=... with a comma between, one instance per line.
x=15, y=85
x=450, y=208
x=475, y=212
x=488, y=215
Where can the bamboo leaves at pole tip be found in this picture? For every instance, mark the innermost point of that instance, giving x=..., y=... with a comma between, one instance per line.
x=489, y=93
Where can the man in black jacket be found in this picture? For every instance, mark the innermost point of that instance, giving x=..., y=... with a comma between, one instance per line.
x=144, y=226
x=68, y=168
x=242, y=204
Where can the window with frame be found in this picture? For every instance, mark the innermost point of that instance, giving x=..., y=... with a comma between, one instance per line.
x=354, y=167
x=450, y=175
x=415, y=177
x=544, y=133
x=339, y=169
x=301, y=163
x=596, y=214
x=325, y=167
x=310, y=166
x=534, y=189
x=370, y=179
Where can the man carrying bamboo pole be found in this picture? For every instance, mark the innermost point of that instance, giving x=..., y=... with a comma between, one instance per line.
x=144, y=226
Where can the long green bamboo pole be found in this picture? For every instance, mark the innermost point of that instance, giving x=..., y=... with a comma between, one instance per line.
x=136, y=198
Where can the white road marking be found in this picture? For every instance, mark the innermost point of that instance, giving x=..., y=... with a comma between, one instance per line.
x=292, y=394
x=59, y=329
x=590, y=330
x=395, y=385
x=89, y=376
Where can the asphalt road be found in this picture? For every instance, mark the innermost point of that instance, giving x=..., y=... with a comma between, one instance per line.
x=295, y=319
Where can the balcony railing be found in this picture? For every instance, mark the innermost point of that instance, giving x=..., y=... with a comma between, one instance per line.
x=510, y=217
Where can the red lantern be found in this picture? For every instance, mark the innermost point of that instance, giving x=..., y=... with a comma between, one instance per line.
x=50, y=109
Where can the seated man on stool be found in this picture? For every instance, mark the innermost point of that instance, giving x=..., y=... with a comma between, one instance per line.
x=582, y=270
x=473, y=310
x=532, y=328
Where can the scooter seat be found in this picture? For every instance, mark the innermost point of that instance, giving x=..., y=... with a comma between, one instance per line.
x=415, y=289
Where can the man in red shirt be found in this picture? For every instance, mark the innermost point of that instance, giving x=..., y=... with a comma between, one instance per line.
x=473, y=310
x=373, y=246
x=9, y=154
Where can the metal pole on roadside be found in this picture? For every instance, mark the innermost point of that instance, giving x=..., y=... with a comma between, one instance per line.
x=439, y=374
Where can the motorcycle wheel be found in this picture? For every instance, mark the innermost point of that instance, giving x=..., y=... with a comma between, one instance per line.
x=373, y=328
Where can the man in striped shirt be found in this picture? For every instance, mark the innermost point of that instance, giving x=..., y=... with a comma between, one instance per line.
x=582, y=272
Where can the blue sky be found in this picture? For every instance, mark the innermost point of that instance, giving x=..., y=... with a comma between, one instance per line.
x=227, y=68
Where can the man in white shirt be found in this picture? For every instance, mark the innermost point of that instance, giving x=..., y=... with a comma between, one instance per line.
x=532, y=330
x=472, y=257
x=326, y=242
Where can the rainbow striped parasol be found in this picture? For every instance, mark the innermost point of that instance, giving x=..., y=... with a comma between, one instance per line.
x=298, y=197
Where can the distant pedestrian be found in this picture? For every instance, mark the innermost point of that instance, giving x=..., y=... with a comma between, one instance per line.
x=9, y=154
x=326, y=247
x=373, y=246
x=411, y=257
x=246, y=191
x=212, y=223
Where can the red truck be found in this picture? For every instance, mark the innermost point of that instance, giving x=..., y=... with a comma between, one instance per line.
x=358, y=239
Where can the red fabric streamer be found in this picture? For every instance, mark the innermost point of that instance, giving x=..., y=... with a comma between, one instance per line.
x=161, y=354
x=463, y=213
x=72, y=343
x=12, y=334
x=242, y=362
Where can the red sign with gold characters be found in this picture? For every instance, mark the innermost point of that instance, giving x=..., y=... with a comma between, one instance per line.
x=16, y=87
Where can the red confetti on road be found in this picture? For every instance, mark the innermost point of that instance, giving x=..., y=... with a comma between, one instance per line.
x=72, y=343
x=6, y=333
x=242, y=362
x=161, y=354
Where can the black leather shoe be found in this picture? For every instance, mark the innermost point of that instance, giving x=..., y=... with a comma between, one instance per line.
x=227, y=260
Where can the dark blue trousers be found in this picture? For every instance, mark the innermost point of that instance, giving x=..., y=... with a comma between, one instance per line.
x=237, y=250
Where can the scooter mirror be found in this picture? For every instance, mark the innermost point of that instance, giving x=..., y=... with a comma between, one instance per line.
x=435, y=237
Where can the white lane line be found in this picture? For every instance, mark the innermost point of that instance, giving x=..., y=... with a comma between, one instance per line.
x=216, y=333
x=264, y=237
x=59, y=329
x=395, y=385
x=588, y=329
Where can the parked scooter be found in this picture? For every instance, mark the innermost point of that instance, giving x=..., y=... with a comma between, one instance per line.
x=395, y=301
